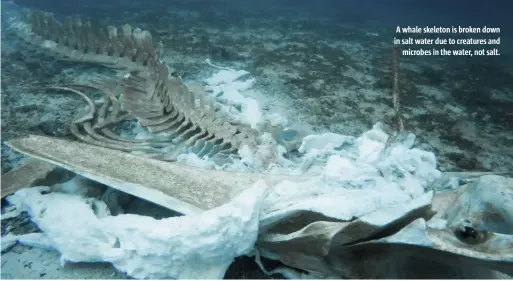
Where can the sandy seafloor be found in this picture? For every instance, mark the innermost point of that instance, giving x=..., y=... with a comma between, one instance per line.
x=335, y=77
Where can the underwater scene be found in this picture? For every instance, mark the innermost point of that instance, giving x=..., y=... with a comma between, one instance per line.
x=256, y=139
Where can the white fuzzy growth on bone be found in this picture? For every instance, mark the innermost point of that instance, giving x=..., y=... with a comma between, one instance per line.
x=231, y=95
x=350, y=186
x=352, y=179
x=187, y=247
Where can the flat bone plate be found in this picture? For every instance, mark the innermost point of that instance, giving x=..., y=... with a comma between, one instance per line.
x=182, y=188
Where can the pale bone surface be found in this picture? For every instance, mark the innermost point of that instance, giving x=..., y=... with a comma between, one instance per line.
x=182, y=188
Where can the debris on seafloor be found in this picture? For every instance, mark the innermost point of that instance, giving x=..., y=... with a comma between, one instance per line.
x=370, y=235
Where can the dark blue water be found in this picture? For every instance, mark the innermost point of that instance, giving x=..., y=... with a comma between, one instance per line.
x=386, y=14
x=391, y=12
